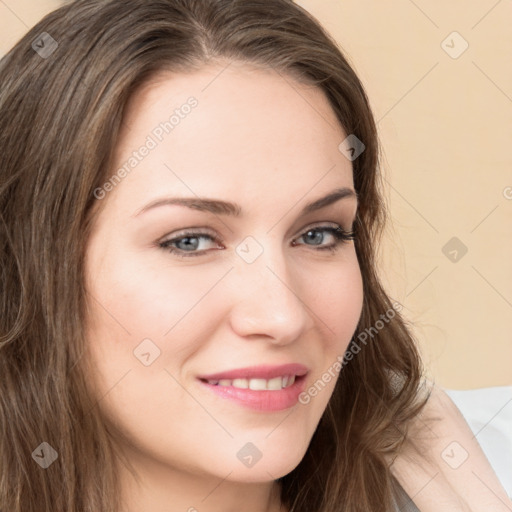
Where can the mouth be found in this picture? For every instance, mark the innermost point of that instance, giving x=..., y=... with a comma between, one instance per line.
x=263, y=388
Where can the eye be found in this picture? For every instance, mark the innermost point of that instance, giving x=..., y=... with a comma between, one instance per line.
x=317, y=234
x=188, y=244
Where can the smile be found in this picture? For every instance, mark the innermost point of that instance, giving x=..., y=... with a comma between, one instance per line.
x=258, y=394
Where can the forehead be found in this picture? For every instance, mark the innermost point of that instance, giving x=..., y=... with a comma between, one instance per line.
x=250, y=129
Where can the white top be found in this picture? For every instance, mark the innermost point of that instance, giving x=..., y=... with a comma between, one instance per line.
x=488, y=412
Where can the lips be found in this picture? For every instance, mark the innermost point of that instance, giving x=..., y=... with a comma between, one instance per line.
x=266, y=372
x=262, y=388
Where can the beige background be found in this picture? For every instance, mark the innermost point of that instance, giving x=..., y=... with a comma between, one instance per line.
x=446, y=128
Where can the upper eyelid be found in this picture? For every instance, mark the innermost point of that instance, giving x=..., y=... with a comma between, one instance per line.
x=183, y=233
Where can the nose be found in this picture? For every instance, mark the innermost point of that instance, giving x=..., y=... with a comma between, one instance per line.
x=268, y=300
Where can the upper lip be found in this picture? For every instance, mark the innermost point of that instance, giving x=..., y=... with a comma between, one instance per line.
x=259, y=372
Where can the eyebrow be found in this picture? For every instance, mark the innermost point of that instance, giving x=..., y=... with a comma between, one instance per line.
x=219, y=207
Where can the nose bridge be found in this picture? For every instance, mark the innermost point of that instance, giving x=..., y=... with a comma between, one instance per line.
x=267, y=301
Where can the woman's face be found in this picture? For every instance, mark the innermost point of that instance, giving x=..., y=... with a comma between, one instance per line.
x=181, y=293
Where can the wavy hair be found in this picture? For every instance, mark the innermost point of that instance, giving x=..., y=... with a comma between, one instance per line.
x=61, y=108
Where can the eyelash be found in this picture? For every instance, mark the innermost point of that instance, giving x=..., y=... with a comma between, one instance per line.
x=341, y=236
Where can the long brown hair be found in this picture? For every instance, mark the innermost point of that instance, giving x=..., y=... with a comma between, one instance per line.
x=63, y=90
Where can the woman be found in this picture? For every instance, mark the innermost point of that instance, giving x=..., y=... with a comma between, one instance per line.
x=171, y=340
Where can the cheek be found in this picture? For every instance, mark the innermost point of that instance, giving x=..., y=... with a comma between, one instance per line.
x=336, y=295
x=337, y=304
x=148, y=299
x=140, y=308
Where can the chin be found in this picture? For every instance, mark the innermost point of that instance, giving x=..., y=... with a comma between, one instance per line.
x=271, y=466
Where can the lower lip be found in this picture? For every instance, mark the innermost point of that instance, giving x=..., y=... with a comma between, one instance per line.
x=265, y=400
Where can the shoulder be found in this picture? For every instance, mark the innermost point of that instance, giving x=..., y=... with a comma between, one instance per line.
x=441, y=466
x=488, y=412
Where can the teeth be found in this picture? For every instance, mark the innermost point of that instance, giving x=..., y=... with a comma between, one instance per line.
x=257, y=384
x=275, y=384
x=240, y=383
